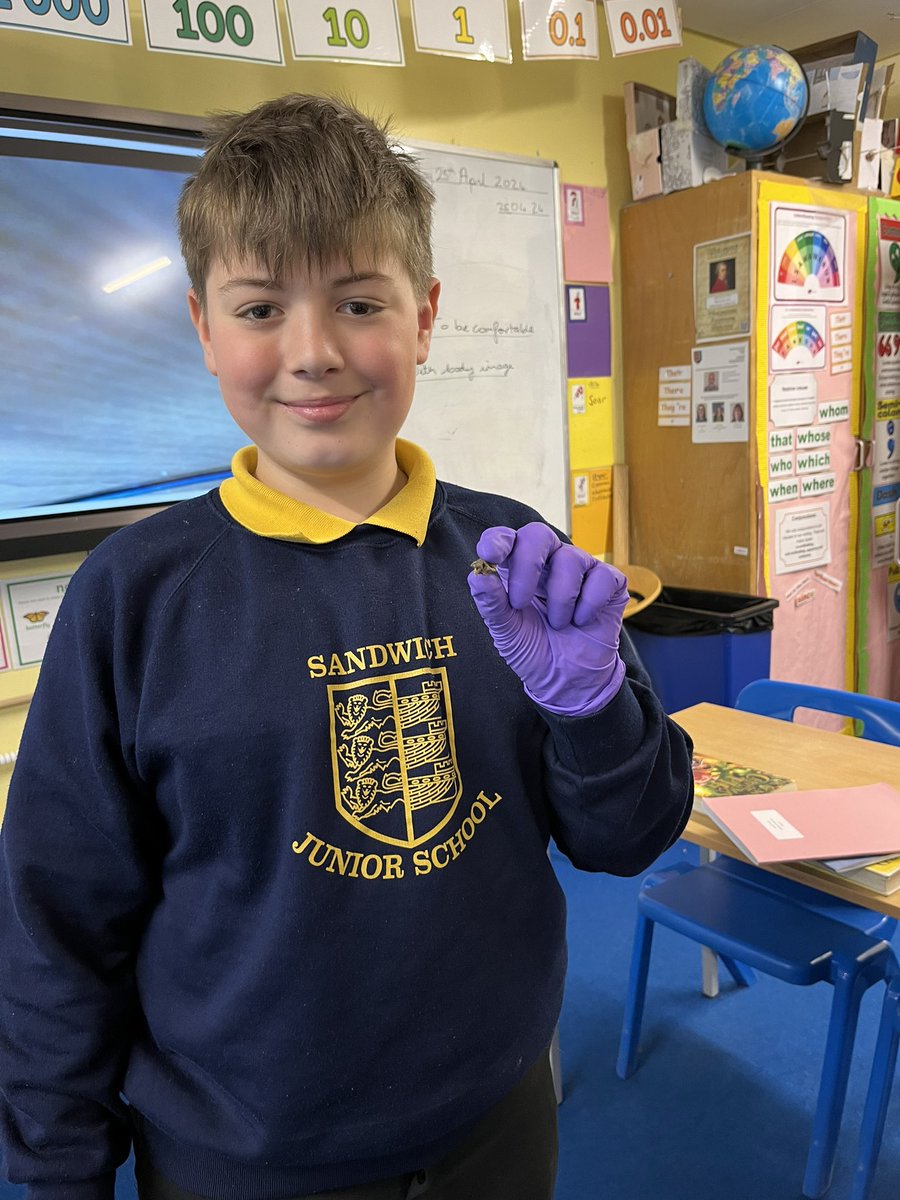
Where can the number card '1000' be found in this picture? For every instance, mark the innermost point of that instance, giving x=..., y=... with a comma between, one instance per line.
x=634, y=26
x=100, y=20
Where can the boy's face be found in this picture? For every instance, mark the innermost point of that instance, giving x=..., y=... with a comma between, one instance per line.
x=317, y=369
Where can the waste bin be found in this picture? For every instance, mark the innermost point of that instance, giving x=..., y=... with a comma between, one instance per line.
x=699, y=645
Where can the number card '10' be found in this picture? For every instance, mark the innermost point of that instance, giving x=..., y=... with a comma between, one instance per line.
x=634, y=26
x=360, y=31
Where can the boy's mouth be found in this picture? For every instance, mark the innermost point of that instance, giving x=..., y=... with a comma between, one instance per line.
x=322, y=411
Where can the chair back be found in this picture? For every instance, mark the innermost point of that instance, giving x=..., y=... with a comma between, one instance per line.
x=880, y=719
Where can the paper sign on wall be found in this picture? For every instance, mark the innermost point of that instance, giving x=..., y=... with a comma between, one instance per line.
x=634, y=26
x=99, y=20
x=591, y=438
x=31, y=605
x=586, y=248
x=464, y=31
x=247, y=31
x=368, y=33
x=721, y=385
x=592, y=510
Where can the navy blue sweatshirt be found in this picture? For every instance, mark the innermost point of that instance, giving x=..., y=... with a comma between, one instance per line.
x=274, y=866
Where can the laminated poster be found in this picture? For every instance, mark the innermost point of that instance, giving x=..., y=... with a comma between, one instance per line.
x=808, y=253
x=31, y=605
x=720, y=392
x=722, y=288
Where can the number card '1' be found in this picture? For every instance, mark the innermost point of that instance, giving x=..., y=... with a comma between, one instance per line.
x=245, y=29
x=634, y=26
x=559, y=29
x=467, y=29
x=369, y=33
x=100, y=20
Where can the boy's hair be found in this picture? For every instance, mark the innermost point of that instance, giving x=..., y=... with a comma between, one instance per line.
x=305, y=179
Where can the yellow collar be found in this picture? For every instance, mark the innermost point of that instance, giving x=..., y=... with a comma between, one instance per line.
x=271, y=514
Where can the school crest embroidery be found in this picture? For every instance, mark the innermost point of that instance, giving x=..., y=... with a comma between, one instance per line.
x=394, y=756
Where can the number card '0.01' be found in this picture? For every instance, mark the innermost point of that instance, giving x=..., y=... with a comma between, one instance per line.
x=100, y=20
x=360, y=31
x=635, y=26
x=462, y=28
x=559, y=29
x=241, y=29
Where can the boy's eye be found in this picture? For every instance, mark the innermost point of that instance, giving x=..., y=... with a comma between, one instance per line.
x=359, y=308
x=258, y=312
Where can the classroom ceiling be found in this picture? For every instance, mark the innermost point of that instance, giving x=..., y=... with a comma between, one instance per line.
x=790, y=23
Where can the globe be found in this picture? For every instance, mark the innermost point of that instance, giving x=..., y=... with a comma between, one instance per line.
x=755, y=101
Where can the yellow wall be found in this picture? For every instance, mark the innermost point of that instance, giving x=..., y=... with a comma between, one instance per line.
x=569, y=111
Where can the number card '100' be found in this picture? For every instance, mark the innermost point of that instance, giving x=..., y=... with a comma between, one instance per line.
x=241, y=29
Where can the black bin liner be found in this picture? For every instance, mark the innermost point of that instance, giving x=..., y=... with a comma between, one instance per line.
x=683, y=612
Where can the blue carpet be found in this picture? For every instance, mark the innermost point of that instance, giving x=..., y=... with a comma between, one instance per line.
x=721, y=1104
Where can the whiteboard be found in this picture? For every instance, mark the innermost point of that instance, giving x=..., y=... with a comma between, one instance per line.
x=490, y=406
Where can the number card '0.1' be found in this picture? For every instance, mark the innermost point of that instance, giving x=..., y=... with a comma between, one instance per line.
x=241, y=29
x=100, y=20
x=559, y=29
x=462, y=28
x=635, y=26
x=360, y=31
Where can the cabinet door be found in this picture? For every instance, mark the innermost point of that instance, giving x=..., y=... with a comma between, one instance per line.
x=692, y=506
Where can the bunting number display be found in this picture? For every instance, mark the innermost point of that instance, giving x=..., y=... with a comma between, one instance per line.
x=360, y=31
x=241, y=29
x=100, y=20
x=635, y=26
x=462, y=28
x=559, y=29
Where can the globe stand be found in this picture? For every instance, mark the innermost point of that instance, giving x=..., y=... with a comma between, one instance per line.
x=763, y=160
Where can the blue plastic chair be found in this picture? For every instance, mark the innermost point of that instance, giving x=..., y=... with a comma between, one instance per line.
x=795, y=933
x=879, y=718
x=883, y=1066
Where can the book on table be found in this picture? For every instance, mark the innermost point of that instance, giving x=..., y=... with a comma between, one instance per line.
x=882, y=875
x=719, y=777
x=791, y=826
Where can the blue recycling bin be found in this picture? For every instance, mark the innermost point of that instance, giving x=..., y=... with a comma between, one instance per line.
x=703, y=646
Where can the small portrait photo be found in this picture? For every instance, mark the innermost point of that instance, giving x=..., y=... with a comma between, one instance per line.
x=718, y=411
x=711, y=381
x=737, y=413
x=701, y=412
x=721, y=276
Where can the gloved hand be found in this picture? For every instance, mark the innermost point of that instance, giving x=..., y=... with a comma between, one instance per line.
x=555, y=614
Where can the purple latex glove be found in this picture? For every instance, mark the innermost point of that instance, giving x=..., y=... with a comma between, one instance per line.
x=555, y=614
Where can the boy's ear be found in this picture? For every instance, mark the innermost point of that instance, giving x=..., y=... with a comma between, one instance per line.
x=427, y=314
x=201, y=324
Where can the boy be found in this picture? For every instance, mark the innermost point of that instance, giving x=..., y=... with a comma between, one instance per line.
x=274, y=863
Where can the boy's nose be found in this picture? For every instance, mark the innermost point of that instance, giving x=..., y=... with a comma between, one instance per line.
x=311, y=347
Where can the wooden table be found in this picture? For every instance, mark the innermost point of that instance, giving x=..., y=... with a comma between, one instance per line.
x=811, y=757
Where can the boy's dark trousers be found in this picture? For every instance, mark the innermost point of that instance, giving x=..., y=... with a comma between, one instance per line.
x=510, y=1155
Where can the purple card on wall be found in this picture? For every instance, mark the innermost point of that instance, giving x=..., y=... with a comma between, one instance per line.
x=587, y=331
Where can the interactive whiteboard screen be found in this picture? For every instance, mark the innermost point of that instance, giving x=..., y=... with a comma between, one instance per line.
x=105, y=404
